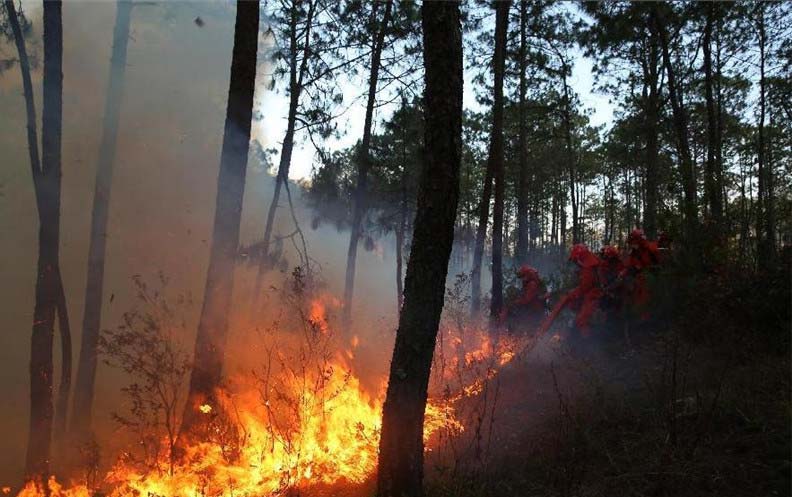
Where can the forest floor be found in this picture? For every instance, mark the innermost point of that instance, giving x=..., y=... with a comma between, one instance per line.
x=699, y=405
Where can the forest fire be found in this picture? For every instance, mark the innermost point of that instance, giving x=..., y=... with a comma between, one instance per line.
x=293, y=427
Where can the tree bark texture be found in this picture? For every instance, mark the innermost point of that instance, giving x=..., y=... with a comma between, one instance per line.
x=213, y=323
x=401, y=443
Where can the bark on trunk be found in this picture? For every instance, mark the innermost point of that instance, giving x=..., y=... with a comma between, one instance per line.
x=48, y=288
x=364, y=164
x=651, y=129
x=401, y=444
x=496, y=156
x=92, y=313
x=213, y=324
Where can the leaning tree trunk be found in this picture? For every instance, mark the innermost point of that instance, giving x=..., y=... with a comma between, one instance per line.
x=401, y=443
x=92, y=313
x=213, y=324
x=364, y=165
x=496, y=156
x=48, y=287
x=522, y=181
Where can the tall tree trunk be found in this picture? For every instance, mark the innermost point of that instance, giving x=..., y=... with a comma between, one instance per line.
x=92, y=313
x=651, y=129
x=401, y=443
x=481, y=238
x=711, y=185
x=296, y=78
x=719, y=110
x=213, y=324
x=359, y=206
x=681, y=129
x=48, y=288
x=522, y=185
x=30, y=104
x=764, y=223
x=570, y=157
x=496, y=156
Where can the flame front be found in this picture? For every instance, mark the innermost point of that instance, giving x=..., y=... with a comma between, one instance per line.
x=318, y=427
x=326, y=439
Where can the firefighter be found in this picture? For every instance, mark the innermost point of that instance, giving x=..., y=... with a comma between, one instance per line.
x=585, y=298
x=644, y=255
x=529, y=305
x=611, y=266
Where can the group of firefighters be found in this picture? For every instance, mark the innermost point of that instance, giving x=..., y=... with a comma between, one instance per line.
x=610, y=281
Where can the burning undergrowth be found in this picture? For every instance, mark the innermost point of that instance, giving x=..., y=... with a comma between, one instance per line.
x=300, y=418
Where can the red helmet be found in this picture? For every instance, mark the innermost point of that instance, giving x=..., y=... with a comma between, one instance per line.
x=610, y=252
x=636, y=236
x=582, y=255
x=526, y=272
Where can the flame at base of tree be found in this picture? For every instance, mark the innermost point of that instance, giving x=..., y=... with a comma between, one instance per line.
x=329, y=436
x=304, y=421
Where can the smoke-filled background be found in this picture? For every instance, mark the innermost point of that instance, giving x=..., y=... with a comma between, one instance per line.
x=163, y=191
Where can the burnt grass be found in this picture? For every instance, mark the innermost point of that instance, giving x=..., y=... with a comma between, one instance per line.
x=698, y=405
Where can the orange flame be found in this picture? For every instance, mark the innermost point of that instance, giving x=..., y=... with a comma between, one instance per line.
x=322, y=428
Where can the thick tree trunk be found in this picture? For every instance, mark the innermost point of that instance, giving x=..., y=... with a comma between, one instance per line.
x=522, y=185
x=48, y=288
x=359, y=206
x=496, y=156
x=213, y=324
x=401, y=444
x=711, y=185
x=680, y=120
x=92, y=313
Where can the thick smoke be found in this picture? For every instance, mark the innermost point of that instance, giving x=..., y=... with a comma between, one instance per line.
x=162, y=198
